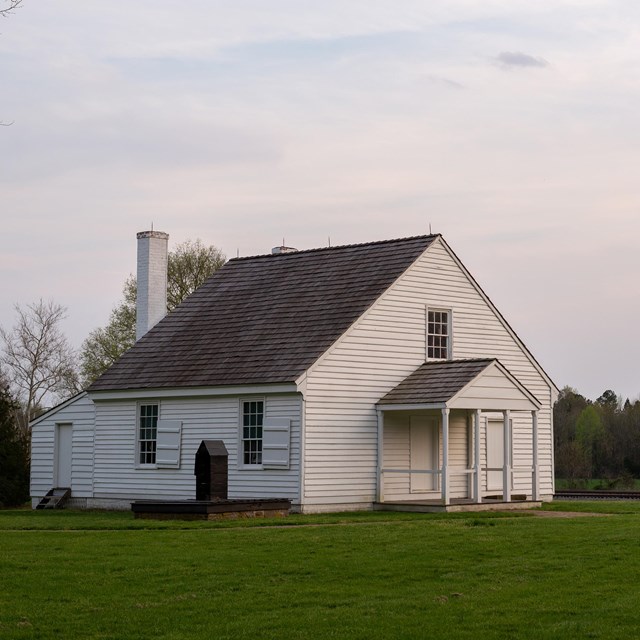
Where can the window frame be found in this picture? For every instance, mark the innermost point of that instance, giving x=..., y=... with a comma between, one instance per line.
x=449, y=334
x=138, y=452
x=241, y=426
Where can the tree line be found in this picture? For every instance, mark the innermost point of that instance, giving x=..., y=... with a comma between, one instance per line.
x=39, y=368
x=596, y=439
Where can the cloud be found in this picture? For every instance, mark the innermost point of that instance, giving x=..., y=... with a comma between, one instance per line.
x=509, y=59
x=445, y=82
x=243, y=122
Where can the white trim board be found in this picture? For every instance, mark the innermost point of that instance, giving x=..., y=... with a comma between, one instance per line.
x=195, y=392
x=54, y=410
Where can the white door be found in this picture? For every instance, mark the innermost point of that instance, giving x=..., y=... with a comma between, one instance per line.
x=495, y=455
x=62, y=477
x=424, y=453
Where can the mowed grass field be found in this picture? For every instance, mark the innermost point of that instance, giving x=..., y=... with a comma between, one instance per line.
x=371, y=575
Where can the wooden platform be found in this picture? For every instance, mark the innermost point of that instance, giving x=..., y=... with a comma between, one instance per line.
x=456, y=505
x=211, y=510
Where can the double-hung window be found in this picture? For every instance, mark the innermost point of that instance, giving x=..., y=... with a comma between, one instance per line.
x=252, y=422
x=438, y=334
x=147, y=433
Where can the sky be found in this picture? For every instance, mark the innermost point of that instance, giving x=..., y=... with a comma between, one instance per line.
x=508, y=126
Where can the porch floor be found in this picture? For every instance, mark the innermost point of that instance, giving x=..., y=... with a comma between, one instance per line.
x=456, y=505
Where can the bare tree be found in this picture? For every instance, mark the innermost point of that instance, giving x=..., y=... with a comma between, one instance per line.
x=36, y=357
x=10, y=6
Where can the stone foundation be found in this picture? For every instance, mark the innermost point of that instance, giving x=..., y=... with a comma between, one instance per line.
x=214, y=510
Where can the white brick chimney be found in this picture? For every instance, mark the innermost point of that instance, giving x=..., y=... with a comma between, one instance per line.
x=151, y=305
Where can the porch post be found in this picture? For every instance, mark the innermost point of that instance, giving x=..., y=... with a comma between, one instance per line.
x=506, y=469
x=380, y=456
x=535, y=476
x=477, y=494
x=445, y=456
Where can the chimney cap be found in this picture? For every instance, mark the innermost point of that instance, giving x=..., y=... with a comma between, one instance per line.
x=283, y=249
x=161, y=235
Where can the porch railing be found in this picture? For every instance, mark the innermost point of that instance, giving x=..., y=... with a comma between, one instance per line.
x=456, y=471
x=453, y=471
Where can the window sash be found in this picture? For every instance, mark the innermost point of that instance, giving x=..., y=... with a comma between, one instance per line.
x=252, y=424
x=147, y=433
x=438, y=334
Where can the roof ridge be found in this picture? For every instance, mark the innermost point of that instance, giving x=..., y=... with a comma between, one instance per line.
x=341, y=246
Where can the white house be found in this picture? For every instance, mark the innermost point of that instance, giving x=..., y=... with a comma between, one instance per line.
x=371, y=375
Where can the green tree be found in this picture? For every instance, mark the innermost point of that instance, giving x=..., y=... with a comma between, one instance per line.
x=602, y=442
x=105, y=345
x=608, y=461
x=189, y=265
x=566, y=410
x=569, y=459
x=609, y=400
x=590, y=437
x=14, y=453
x=628, y=441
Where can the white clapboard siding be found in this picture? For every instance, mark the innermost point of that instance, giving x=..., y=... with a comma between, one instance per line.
x=80, y=414
x=491, y=390
x=117, y=476
x=385, y=345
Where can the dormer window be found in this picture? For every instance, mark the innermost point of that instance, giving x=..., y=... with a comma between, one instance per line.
x=438, y=334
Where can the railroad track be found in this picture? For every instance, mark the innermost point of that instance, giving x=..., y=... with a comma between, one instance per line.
x=596, y=494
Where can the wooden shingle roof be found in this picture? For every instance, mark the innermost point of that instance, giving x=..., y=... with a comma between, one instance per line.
x=436, y=382
x=264, y=319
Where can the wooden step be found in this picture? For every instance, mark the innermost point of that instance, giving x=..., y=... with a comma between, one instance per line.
x=55, y=498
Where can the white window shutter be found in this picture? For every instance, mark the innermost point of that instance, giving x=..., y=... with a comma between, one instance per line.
x=275, y=443
x=168, y=444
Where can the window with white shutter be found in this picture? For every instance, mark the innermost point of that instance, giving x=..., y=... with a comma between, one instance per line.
x=168, y=444
x=275, y=443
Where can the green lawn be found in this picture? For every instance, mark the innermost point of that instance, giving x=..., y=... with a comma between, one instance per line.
x=370, y=575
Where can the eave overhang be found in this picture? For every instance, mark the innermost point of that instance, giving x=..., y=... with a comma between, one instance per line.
x=194, y=392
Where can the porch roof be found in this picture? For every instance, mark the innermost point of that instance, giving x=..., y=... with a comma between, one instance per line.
x=481, y=383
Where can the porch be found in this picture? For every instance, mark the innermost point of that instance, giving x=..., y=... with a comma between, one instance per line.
x=458, y=435
x=457, y=505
